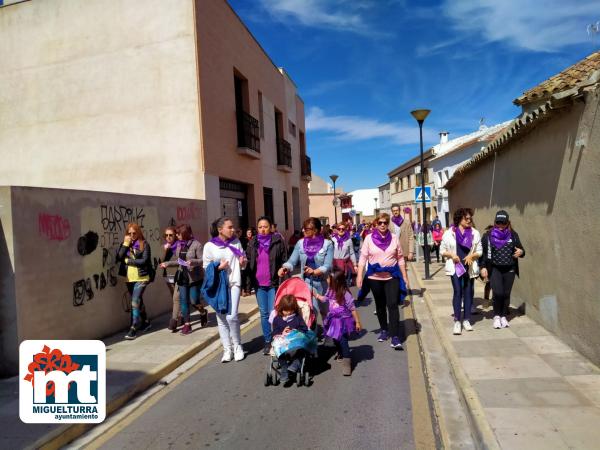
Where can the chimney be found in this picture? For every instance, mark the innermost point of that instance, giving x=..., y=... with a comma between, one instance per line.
x=444, y=137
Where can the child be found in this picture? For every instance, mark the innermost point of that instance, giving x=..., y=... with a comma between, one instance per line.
x=288, y=318
x=342, y=318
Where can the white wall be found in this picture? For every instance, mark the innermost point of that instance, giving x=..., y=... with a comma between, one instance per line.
x=363, y=201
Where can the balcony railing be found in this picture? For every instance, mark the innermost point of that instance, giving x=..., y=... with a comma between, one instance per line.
x=248, y=132
x=284, y=155
x=306, y=168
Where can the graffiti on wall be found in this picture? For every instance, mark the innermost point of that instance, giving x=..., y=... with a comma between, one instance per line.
x=54, y=227
x=105, y=227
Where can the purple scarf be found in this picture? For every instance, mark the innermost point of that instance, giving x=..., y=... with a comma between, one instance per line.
x=176, y=244
x=313, y=245
x=463, y=239
x=383, y=242
x=264, y=241
x=341, y=239
x=499, y=237
x=397, y=220
x=339, y=322
x=227, y=244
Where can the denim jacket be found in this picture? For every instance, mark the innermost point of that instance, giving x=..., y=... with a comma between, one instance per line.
x=323, y=258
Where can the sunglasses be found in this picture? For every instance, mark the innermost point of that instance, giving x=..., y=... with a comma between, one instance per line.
x=382, y=222
x=341, y=229
x=169, y=235
x=131, y=233
x=501, y=223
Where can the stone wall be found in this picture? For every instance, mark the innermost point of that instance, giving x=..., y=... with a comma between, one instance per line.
x=57, y=261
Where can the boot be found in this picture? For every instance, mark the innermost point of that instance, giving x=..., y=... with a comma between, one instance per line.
x=346, y=367
x=203, y=317
x=173, y=325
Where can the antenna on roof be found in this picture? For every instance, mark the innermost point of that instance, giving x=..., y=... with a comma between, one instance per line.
x=482, y=125
x=593, y=29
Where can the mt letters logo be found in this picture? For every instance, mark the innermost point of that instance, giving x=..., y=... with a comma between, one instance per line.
x=62, y=381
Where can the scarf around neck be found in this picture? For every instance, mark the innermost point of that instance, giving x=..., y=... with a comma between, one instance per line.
x=499, y=237
x=397, y=220
x=342, y=239
x=313, y=245
x=227, y=244
x=383, y=242
x=264, y=241
x=463, y=239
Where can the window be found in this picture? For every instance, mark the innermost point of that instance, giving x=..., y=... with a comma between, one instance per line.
x=261, y=119
x=439, y=174
x=285, y=210
x=278, y=125
x=268, y=202
x=410, y=181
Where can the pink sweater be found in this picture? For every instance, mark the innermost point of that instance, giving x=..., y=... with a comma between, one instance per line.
x=372, y=254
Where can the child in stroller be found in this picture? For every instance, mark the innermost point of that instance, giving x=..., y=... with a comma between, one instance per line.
x=293, y=340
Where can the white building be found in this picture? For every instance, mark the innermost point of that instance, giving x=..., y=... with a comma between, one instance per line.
x=385, y=198
x=365, y=201
x=451, y=154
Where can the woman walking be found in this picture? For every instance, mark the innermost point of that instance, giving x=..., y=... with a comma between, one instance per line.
x=266, y=253
x=461, y=246
x=314, y=254
x=135, y=257
x=169, y=250
x=344, y=257
x=437, y=235
x=188, y=260
x=386, y=276
x=246, y=275
x=224, y=252
x=421, y=241
x=501, y=250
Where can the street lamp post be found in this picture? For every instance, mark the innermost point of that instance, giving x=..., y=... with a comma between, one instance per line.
x=334, y=179
x=375, y=210
x=420, y=115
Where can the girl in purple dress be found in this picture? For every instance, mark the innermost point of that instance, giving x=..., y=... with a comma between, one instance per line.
x=342, y=318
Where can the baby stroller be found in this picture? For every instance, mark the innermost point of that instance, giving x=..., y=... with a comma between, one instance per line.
x=308, y=343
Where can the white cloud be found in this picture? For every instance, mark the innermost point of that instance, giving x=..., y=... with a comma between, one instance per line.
x=334, y=14
x=545, y=25
x=354, y=128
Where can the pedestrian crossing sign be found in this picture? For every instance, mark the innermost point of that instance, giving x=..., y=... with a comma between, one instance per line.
x=419, y=194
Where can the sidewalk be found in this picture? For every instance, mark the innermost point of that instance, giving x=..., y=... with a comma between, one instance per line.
x=522, y=386
x=131, y=367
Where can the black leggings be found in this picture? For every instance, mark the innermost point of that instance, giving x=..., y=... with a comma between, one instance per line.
x=501, y=282
x=386, y=295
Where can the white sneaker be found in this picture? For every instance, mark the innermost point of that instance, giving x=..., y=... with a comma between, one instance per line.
x=227, y=355
x=457, y=328
x=238, y=352
x=467, y=325
x=504, y=322
x=497, y=323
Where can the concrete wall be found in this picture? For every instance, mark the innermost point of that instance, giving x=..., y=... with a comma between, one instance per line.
x=549, y=186
x=100, y=95
x=57, y=260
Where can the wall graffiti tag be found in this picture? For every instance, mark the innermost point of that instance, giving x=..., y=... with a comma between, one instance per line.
x=54, y=227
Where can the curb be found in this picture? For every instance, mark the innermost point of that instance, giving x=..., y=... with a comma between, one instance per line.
x=68, y=433
x=482, y=431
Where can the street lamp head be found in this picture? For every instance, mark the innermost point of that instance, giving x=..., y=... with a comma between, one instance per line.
x=420, y=114
x=333, y=178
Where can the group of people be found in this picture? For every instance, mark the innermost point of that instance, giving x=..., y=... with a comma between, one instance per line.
x=226, y=267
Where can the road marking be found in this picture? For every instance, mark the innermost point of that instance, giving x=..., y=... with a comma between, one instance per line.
x=421, y=411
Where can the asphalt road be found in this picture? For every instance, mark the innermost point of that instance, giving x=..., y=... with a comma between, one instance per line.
x=227, y=405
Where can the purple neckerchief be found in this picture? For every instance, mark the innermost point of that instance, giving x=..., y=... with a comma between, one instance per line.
x=264, y=241
x=397, y=220
x=227, y=244
x=176, y=244
x=135, y=245
x=313, y=245
x=463, y=239
x=341, y=239
x=383, y=242
x=499, y=237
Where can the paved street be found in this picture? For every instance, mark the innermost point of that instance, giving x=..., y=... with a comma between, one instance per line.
x=226, y=405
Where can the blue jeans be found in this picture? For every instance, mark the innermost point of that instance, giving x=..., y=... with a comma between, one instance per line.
x=464, y=287
x=188, y=294
x=320, y=286
x=138, y=310
x=265, y=297
x=342, y=346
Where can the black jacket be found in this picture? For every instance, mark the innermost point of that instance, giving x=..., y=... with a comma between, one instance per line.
x=277, y=256
x=486, y=261
x=141, y=259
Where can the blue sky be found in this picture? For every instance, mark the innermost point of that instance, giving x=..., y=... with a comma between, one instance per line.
x=361, y=66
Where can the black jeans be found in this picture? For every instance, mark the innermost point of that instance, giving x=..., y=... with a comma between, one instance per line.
x=436, y=249
x=501, y=281
x=386, y=295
